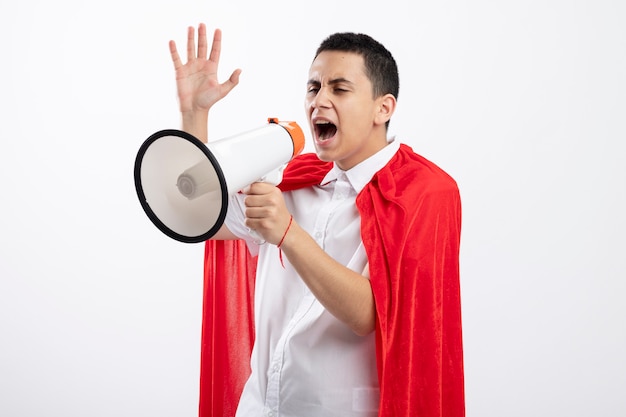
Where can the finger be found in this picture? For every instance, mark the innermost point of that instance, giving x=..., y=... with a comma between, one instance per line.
x=191, y=44
x=175, y=57
x=216, y=47
x=202, y=43
x=259, y=188
x=260, y=203
x=234, y=78
x=232, y=82
x=252, y=200
x=256, y=213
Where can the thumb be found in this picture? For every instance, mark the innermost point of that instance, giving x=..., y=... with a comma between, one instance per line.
x=232, y=81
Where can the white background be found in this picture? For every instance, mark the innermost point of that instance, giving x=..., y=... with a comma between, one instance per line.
x=524, y=103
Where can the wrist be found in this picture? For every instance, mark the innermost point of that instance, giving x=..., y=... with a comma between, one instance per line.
x=282, y=240
x=195, y=122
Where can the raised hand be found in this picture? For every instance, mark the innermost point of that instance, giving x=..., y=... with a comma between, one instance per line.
x=196, y=80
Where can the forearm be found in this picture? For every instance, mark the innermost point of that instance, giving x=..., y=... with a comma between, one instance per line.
x=345, y=293
x=196, y=123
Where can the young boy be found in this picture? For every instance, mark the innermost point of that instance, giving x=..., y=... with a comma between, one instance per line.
x=356, y=308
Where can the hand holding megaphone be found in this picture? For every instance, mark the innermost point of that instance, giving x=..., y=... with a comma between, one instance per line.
x=184, y=185
x=274, y=178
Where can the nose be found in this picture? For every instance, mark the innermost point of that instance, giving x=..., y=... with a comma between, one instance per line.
x=321, y=99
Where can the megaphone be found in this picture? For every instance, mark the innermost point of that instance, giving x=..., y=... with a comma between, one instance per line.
x=184, y=185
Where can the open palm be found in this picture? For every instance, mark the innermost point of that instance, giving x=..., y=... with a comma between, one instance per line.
x=196, y=80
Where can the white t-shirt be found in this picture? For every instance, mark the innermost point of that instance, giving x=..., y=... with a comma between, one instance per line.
x=305, y=362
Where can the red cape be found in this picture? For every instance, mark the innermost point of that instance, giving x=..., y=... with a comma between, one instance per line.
x=410, y=227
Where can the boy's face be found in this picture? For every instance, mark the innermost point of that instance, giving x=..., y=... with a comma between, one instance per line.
x=343, y=115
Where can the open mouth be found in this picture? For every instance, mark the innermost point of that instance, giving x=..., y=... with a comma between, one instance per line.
x=325, y=130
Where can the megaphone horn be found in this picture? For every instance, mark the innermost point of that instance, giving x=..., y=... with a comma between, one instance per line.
x=184, y=185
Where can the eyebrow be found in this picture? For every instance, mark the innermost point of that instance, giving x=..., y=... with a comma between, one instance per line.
x=331, y=82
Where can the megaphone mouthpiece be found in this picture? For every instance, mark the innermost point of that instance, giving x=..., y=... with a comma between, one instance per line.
x=297, y=136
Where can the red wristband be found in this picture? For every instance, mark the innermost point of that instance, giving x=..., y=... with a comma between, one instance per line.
x=286, y=230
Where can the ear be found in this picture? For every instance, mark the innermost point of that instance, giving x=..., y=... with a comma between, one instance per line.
x=385, y=109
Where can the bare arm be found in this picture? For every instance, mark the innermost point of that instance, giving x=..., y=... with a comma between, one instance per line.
x=196, y=80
